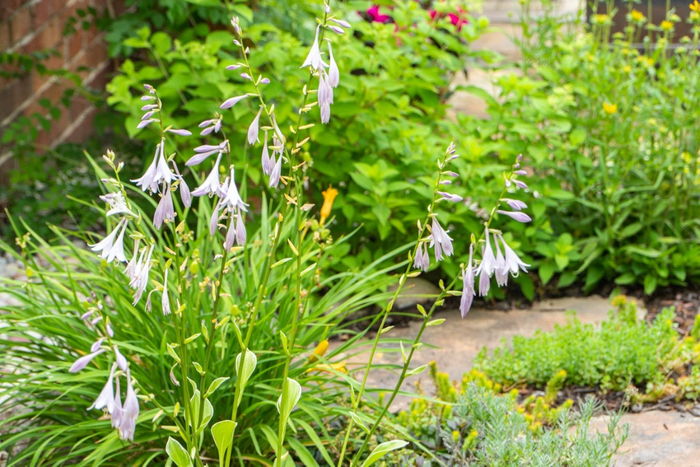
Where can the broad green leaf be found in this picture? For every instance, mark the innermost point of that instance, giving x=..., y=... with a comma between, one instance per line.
x=222, y=432
x=546, y=272
x=215, y=385
x=289, y=399
x=249, y=364
x=382, y=450
x=177, y=453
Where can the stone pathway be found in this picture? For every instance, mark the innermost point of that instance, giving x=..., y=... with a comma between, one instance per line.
x=656, y=438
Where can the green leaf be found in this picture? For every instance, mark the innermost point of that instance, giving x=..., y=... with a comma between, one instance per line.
x=577, y=136
x=417, y=371
x=649, y=284
x=435, y=322
x=562, y=261
x=546, y=272
x=249, y=365
x=626, y=278
x=356, y=418
x=215, y=385
x=177, y=453
x=222, y=432
x=288, y=400
x=382, y=450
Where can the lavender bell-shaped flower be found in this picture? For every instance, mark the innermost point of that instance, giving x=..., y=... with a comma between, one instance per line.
x=214, y=221
x=515, y=204
x=501, y=271
x=241, y=235
x=185, y=194
x=157, y=172
x=513, y=263
x=165, y=210
x=268, y=163
x=117, y=204
x=118, y=412
x=211, y=183
x=441, y=241
x=228, y=103
x=121, y=360
x=230, y=236
x=112, y=246
x=139, y=282
x=204, y=151
x=232, y=201
x=82, y=362
x=253, y=130
x=130, y=412
x=487, y=266
x=517, y=215
x=333, y=72
x=468, y=292
x=313, y=59
x=106, y=397
x=276, y=173
x=422, y=259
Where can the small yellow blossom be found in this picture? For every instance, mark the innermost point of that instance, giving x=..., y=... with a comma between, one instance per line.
x=666, y=25
x=332, y=368
x=609, y=108
x=695, y=6
x=637, y=16
x=601, y=19
x=627, y=69
x=328, y=198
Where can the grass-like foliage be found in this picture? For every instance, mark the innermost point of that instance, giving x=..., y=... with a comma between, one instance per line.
x=44, y=406
x=624, y=351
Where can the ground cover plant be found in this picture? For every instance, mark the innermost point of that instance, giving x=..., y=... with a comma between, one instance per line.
x=648, y=361
x=188, y=334
x=474, y=422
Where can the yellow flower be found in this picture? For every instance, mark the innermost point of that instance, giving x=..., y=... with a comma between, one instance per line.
x=695, y=6
x=328, y=198
x=601, y=19
x=627, y=68
x=333, y=367
x=666, y=25
x=609, y=108
x=637, y=16
x=319, y=351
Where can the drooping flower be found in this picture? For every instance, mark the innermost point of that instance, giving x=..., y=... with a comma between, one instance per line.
x=117, y=204
x=232, y=201
x=325, y=113
x=211, y=184
x=241, y=235
x=449, y=197
x=422, y=259
x=267, y=162
x=204, y=151
x=230, y=236
x=179, y=132
x=165, y=210
x=487, y=266
x=329, y=196
x=276, y=173
x=214, y=221
x=517, y=215
x=501, y=271
x=130, y=412
x=121, y=360
x=112, y=246
x=118, y=412
x=83, y=361
x=185, y=194
x=512, y=260
x=228, y=103
x=139, y=280
x=441, y=241
x=157, y=172
x=333, y=72
x=106, y=396
x=468, y=292
x=96, y=345
x=253, y=130
x=325, y=91
x=515, y=204
x=314, y=58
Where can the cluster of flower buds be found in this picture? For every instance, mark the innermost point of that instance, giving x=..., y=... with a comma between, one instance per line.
x=328, y=73
x=123, y=416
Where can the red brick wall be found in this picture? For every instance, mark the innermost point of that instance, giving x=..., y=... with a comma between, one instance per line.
x=34, y=25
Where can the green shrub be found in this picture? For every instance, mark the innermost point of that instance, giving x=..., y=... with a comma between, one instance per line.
x=611, y=122
x=391, y=111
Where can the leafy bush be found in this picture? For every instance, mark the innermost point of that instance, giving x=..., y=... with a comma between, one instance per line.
x=391, y=110
x=474, y=423
x=625, y=351
x=611, y=123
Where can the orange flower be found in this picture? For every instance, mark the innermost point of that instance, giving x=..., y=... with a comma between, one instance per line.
x=328, y=198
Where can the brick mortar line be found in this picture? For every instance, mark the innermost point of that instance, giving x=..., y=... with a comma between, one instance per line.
x=6, y=156
x=28, y=37
x=54, y=79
